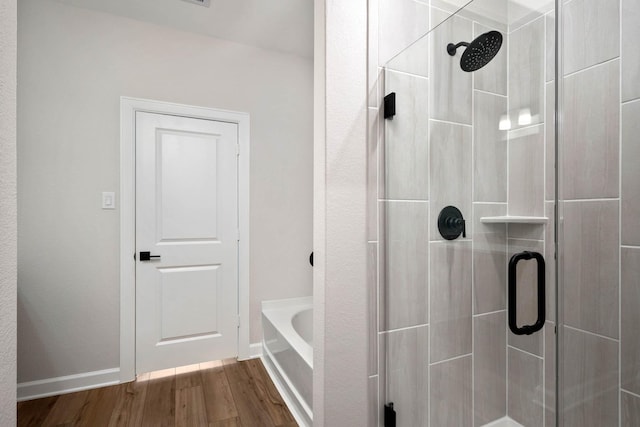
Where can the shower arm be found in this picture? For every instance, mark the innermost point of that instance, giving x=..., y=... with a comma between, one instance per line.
x=451, y=48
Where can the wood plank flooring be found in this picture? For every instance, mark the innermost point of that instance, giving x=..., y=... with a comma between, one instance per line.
x=215, y=394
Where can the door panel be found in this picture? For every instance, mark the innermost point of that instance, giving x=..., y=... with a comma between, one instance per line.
x=186, y=214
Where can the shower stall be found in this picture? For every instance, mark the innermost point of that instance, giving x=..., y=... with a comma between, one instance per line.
x=504, y=213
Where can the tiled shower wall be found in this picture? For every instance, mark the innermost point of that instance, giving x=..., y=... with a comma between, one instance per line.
x=438, y=338
x=600, y=185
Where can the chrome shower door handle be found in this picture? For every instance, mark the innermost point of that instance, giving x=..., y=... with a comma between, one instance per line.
x=513, y=309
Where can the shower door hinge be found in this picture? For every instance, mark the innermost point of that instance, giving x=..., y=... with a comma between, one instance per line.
x=389, y=105
x=389, y=415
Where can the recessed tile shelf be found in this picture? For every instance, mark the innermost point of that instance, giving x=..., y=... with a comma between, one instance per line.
x=514, y=219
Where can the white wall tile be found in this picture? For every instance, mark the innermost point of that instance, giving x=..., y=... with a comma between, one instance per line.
x=372, y=302
x=406, y=174
x=401, y=23
x=630, y=409
x=404, y=296
x=373, y=70
x=450, y=299
x=630, y=174
x=490, y=148
x=550, y=45
x=373, y=402
x=408, y=374
x=489, y=367
x=591, y=140
x=450, y=170
x=550, y=260
x=591, y=261
x=630, y=51
x=374, y=142
x=489, y=260
x=526, y=73
x=451, y=87
x=451, y=393
x=591, y=33
x=590, y=380
x=493, y=76
x=525, y=388
x=630, y=319
x=526, y=171
x=550, y=141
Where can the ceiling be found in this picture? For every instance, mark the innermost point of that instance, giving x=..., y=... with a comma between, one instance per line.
x=281, y=25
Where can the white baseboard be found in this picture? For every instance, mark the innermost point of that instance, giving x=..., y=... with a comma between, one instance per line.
x=255, y=351
x=68, y=384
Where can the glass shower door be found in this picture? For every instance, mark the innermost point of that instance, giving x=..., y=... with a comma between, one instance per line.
x=465, y=185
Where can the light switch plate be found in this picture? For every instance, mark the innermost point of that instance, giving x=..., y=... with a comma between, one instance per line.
x=108, y=200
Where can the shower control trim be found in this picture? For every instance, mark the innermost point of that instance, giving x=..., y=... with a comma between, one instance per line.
x=451, y=224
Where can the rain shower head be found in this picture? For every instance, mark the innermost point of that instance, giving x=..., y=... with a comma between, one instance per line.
x=479, y=52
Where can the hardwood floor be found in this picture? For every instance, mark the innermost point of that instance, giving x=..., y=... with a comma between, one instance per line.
x=216, y=394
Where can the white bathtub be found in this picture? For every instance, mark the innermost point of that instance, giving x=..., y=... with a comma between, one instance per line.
x=287, y=352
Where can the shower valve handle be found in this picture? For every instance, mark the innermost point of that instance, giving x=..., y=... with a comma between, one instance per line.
x=456, y=223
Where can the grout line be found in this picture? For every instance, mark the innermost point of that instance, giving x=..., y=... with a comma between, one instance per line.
x=402, y=201
x=573, y=73
x=490, y=313
x=612, y=199
x=629, y=247
x=544, y=206
x=451, y=123
x=620, y=220
x=487, y=92
x=405, y=328
x=525, y=352
x=460, y=240
x=506, y=228
x=473, y=217
x=558, y=110
x=430, y=111
x=591, y=333
x=518, y=130
x=451, y=359
x=526, y=240
x=524, y=24
x=406, y=73
x=630, y=392
x=489, y=203
x=630, y=101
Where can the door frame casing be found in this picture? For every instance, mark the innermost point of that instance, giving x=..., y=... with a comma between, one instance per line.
x=128, y=109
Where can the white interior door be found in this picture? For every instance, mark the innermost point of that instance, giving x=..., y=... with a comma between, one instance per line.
x=187, y=219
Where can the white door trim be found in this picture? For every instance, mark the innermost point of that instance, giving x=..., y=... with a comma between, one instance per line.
x=128, y=109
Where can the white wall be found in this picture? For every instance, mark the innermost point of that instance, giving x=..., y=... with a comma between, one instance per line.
x=74, y=65
x=8, y=230
x=340, y=187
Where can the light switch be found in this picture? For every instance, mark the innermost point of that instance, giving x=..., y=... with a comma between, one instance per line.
x=108, y=200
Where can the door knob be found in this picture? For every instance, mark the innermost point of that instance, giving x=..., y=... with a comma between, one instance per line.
x=146, y=256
